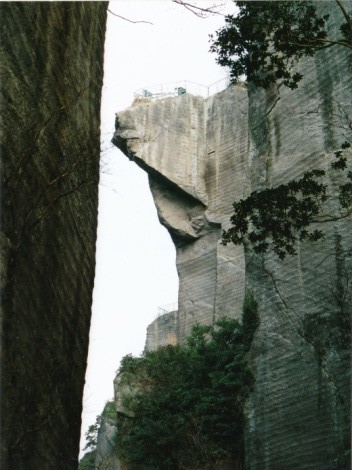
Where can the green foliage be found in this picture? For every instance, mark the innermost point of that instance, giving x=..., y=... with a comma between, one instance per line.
x=109, y=410
x=263, y=42
x=267, y=38
x=345, y=195
x=188, y=408
x=87, y=462
x=92, y=434
x=279, y=217
x=129, y=363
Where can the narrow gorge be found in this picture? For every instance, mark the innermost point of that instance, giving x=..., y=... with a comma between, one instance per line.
x=201, y=155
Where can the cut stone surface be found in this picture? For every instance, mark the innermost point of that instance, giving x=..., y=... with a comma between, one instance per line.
x=196, y=167
x=51, y=56
x=201, y=155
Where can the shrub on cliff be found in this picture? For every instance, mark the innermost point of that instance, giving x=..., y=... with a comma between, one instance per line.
x=87, y=462
x=280, y=217
x=188, y=410
x=91, y=435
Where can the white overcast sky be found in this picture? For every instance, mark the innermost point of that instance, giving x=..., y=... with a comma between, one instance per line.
x=135, y=263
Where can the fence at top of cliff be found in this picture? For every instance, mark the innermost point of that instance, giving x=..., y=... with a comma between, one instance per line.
x=166, y=90
x=167, y=309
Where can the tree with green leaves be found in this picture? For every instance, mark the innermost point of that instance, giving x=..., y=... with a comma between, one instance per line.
x=91, y=435
x=263, y=42
x=280, y=217
x=186, y=410
x=88, y=460
x=267, y=38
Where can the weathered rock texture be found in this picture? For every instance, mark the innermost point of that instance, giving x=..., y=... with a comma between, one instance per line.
x=51, y=76
x=298, y=415
x=201, y=155
x=105, y=457
x=188, y=146
x=162, y=332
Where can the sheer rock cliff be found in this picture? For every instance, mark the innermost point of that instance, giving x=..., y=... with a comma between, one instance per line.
x=51, y=77
x=201, y=155
x=187, y=145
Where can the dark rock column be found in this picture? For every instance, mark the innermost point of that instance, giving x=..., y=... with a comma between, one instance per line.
x=51, y=76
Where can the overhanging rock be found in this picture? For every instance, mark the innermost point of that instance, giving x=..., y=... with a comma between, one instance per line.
x=195, y=152
x=201, y=156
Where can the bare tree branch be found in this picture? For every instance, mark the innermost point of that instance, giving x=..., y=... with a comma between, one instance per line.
x=199, y=11
x=332, y=218
x=127, y=19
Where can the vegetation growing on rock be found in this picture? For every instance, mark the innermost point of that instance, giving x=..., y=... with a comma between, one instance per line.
x=281, y=216
x=91, y=435
x=266, y=39
x=87, y=462
x=264, y=42
x=187, y=411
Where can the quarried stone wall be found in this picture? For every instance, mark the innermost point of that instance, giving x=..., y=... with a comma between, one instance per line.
x=201, y=155
x=51, y=76
x=162, y=332
x=194, y=151
x=298, y=414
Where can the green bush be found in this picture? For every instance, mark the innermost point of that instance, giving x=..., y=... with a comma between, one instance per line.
x=188, y=405
x=87, y=462
x=109, y=410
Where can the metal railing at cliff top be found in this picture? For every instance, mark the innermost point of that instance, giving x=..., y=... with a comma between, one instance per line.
x=166, y=90
x=167, y=309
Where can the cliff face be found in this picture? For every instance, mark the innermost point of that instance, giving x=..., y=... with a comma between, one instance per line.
x=51, y=75
x=162, y=331
x=298, y=415
x=105, y=457
x=201, y=155
x=188, y=145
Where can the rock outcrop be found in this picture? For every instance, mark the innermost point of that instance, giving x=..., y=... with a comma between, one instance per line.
x=51, y=77
x=162, y=331
x=105, y=457
x=201, y=155
x=187, y=145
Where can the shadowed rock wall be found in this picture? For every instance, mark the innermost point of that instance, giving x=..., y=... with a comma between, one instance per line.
x=201, y=155
x=51, y=76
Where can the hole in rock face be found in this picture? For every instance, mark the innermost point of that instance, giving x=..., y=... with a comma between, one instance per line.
x=135, y=259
